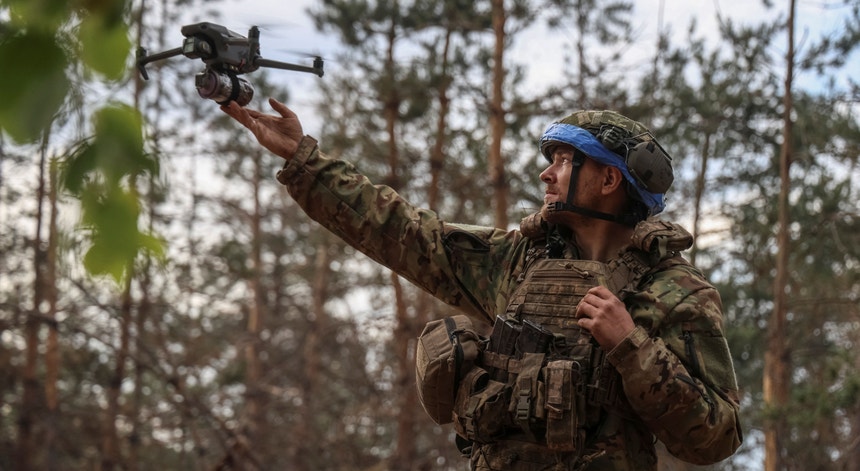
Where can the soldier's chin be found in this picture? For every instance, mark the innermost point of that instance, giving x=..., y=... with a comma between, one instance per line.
x=551, y=215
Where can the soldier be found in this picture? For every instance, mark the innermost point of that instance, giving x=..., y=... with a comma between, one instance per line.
x=631, y=345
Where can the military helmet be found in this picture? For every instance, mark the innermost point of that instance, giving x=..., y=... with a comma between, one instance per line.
x=613, y=139
x=594, y=121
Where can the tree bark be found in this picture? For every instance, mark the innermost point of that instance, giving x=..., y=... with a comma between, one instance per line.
x=405, y=452
x=111, y=456
x=253, y=426
x=52, y=350
x=775, y=386
x=32, y=398
x=701, y=182
x=496, y=163
x=852, y=454
x=391, y=102
x=437, y=155
x=309, y=441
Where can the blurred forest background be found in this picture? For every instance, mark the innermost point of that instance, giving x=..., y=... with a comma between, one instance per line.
x=165, y=305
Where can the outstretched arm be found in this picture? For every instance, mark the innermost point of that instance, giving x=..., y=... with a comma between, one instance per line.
x=374, y=219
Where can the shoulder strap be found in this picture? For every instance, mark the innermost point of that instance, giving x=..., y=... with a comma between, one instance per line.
x=661, y=239
x=655, y=245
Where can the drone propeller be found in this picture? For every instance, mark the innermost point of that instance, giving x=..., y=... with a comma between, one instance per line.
x=316, y=69
x=303, y=54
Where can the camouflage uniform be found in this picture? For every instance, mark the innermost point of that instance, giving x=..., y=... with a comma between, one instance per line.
x=676, y=370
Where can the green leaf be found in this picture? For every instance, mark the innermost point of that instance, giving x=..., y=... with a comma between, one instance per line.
x=101, y=173
x=78, y=167
x=42, y=14
x=104, y=45
x=116, y=152
x=100, y=259
x=33, y=84
x=119, y=143
x=112, y=218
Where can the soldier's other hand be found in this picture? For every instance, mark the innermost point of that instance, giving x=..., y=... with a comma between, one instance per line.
x=280, y=134
x=605, y=316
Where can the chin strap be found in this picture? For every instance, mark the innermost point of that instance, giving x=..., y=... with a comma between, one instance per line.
x=626, y=219
x=578, y=160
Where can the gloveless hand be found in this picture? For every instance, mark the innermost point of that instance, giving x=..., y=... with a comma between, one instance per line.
x=280, y=134
x=605, y=316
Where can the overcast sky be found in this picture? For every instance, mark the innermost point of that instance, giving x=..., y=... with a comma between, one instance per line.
x=287, y=27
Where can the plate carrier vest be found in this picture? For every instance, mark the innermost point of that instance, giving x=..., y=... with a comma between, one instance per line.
x=541, y=377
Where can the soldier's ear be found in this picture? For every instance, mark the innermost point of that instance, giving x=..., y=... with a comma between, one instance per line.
x=613, y=180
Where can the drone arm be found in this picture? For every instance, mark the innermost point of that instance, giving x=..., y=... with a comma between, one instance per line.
x=317, y=69
x=143, y=58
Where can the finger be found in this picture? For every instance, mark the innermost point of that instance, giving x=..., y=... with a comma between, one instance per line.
x=601, y=292
x=254, y=113
x=226, y=110
x=238, y=113
x=585, y=323
x=581, y=308
x=590, y=299
x=281, y=108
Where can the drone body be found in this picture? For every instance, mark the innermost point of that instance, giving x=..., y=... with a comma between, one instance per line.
x=227, y=55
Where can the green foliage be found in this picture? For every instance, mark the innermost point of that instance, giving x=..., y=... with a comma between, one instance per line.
x=32, y=91
x=102, y=174
x=41, y=46
x=36, y=50
x=103, y=43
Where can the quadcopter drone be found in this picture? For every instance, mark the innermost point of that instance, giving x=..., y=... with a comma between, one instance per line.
x=227, y=55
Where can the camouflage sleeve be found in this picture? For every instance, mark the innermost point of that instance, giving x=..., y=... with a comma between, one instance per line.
x=457, y=264
x=676, y=368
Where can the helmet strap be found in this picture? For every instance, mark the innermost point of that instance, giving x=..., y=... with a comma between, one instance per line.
x=578, y=161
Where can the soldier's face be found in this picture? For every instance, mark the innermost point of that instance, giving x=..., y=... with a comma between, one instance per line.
x=557, y=175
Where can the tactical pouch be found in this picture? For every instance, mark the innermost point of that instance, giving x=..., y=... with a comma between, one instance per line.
x=526, y=392
x=565, y=405
x=445, y=352
x=481, y=409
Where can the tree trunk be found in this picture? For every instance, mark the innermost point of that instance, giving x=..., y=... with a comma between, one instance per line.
x=584, y=71
x=143, y=310
x=405, y=452
x=775, y=386
x=852, y=454
x=252, y=429
x=52, y=351
x=701, y=182
x=391, y=103
x=31, y=397
x=309, y=441
x=495, y=162
x=437, y=156
x=111, y=457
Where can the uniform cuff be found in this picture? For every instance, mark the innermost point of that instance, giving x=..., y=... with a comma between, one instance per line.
x=631, y=343
x=306, y=147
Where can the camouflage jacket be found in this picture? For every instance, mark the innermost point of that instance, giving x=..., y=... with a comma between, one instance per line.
x=675, y=366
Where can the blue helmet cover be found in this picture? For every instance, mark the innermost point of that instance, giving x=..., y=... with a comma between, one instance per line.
x=587, y=143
